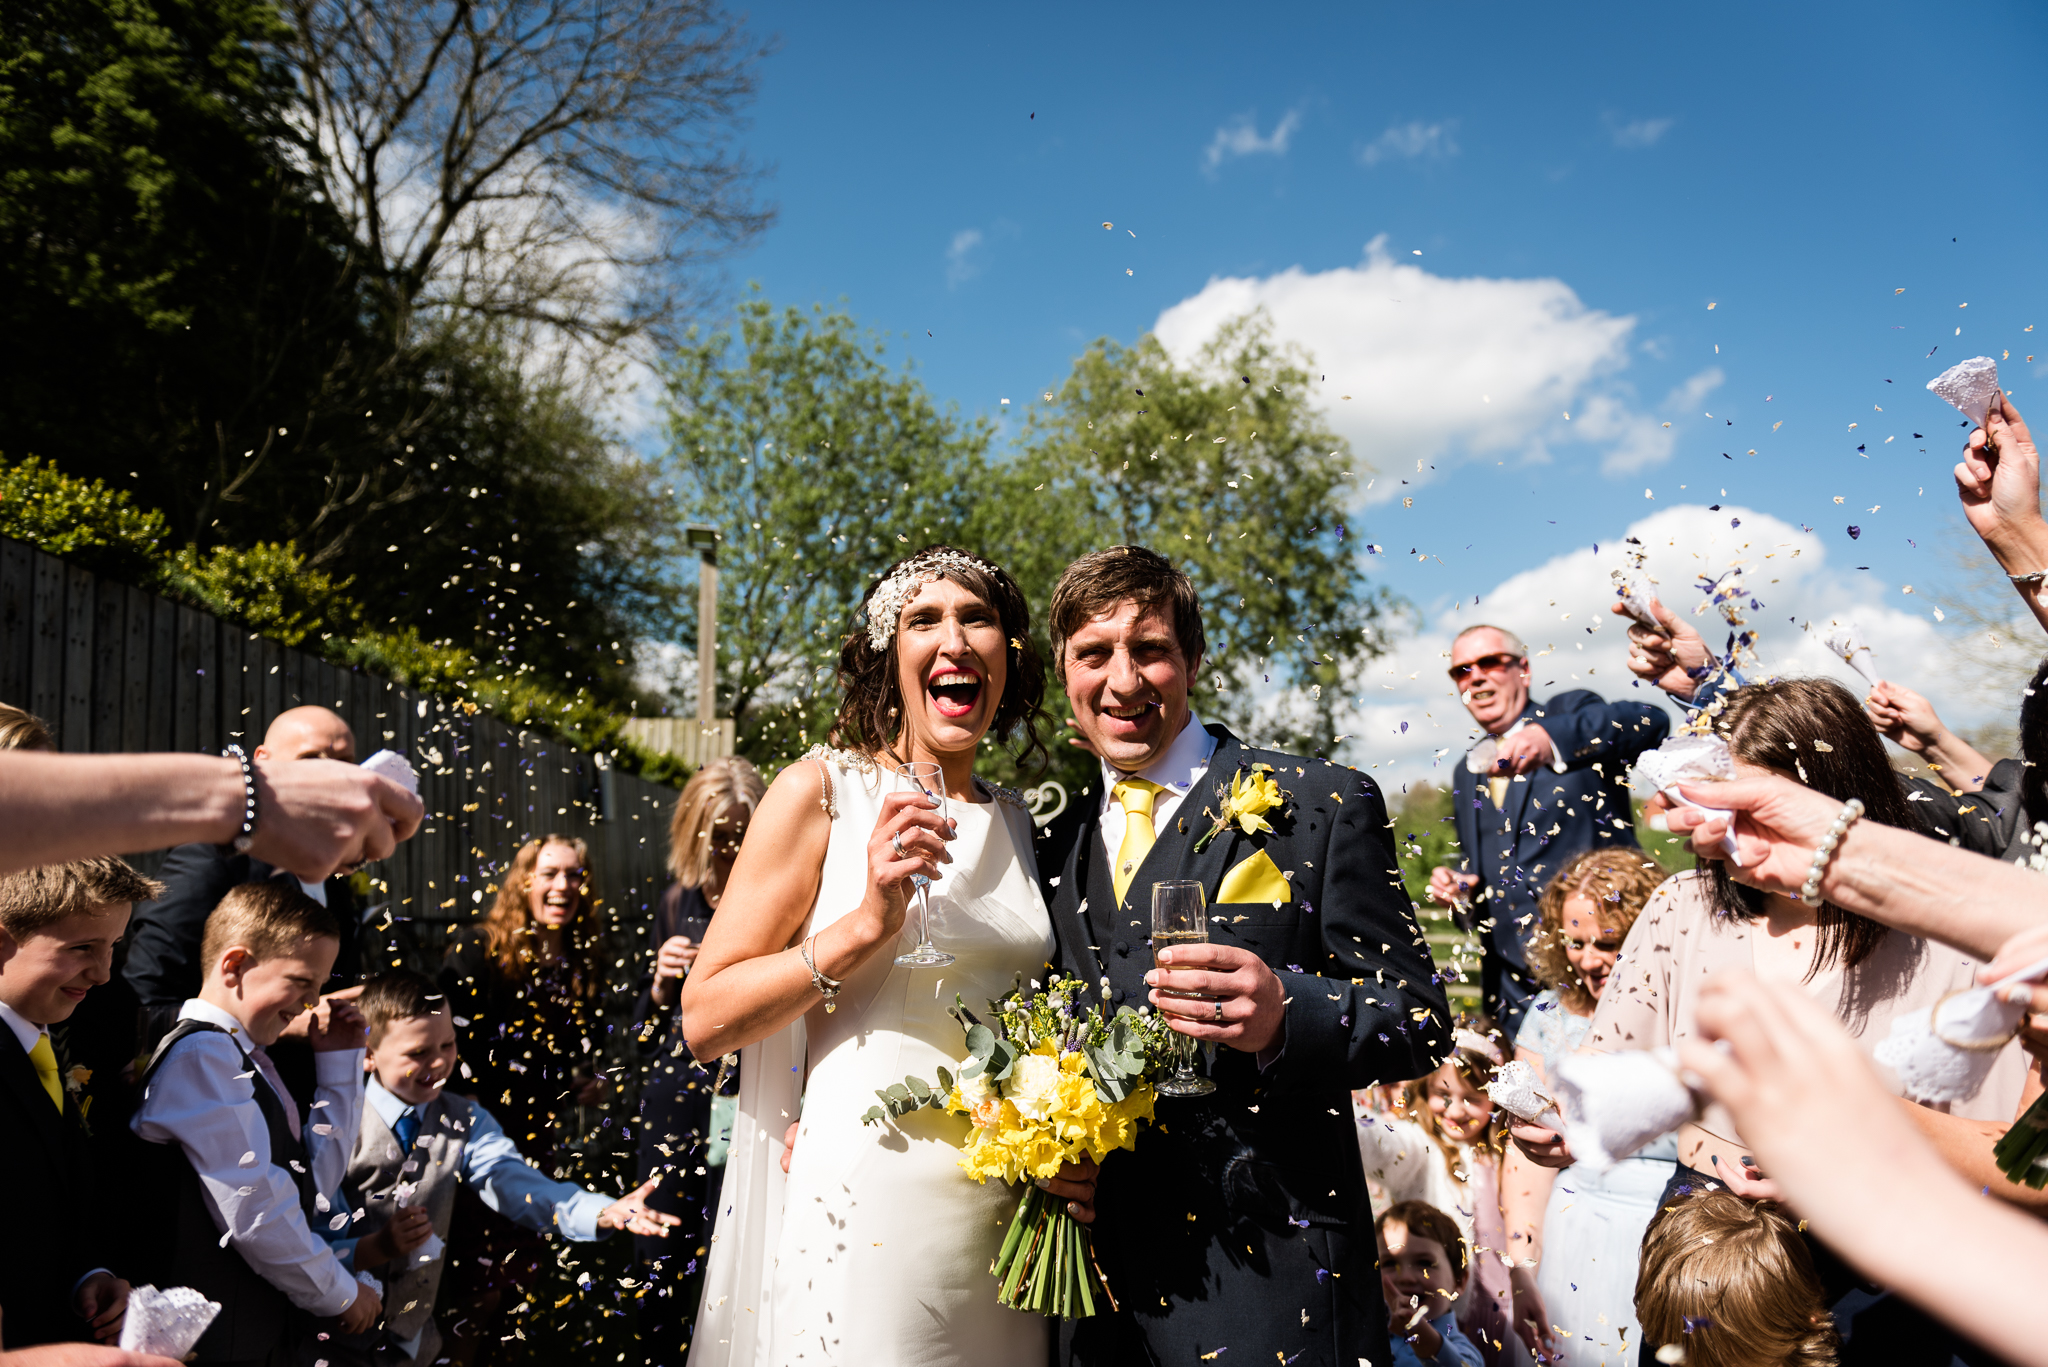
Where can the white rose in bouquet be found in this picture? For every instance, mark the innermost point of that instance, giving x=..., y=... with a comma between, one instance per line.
x=1033, y=1087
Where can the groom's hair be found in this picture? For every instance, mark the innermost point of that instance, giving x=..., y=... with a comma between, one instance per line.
x=1100, y=580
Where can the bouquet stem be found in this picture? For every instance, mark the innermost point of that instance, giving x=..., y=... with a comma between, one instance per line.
x=2022, y=1155
x=1047, y=1260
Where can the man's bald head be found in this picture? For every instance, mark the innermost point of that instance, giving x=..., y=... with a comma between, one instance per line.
x=308, y=733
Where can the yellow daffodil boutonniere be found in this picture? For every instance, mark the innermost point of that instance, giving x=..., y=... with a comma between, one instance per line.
x=1253, y=792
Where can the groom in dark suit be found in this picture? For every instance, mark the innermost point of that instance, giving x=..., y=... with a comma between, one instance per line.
x=1241, y=1221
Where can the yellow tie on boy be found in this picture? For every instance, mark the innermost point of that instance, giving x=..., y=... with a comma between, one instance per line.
x=1135, y=796
x=45, y=1060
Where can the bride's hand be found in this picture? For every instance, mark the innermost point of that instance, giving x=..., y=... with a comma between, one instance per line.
x=1076, y=1183
x=909, y=840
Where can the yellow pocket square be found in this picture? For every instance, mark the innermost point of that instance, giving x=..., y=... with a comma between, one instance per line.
x=1257, y=879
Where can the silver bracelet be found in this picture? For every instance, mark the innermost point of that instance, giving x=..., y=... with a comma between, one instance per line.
x=1851, y=811
x=829, y=987
x=2034, y=578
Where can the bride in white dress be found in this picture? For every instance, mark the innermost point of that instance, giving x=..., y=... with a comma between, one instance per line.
x=876, y=1247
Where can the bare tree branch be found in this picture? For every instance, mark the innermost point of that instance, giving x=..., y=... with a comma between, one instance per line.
x=560, y=170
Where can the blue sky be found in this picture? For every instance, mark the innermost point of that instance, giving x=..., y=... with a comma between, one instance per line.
x=1581, y=183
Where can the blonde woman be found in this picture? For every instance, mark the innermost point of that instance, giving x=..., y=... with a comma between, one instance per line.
x=677, y=1138
x=1573, y=1235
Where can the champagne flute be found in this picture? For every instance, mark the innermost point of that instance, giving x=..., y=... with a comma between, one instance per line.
x=1180, y=917
x=930, y=780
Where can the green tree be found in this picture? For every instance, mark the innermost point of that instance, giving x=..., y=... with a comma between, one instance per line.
x=1226, y=467
x=820, y=465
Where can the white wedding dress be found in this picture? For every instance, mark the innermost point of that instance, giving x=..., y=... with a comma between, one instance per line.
x=876, y=1247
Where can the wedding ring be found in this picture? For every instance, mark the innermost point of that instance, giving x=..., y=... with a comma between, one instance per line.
x=896, y=844
x=1219, y=1008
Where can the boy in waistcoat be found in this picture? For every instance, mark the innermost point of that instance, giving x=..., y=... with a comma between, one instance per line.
x=417, y=1141
x=244, y=1168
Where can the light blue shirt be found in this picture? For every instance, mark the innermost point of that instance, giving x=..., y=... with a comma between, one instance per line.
x=500, y=1174
x=1458, y=1351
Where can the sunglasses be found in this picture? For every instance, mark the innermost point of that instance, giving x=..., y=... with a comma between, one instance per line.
x=1488, y=663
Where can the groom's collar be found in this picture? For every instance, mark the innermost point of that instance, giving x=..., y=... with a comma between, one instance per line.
x=1179, y=767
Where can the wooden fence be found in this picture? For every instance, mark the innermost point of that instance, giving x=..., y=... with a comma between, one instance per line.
x=114, y=668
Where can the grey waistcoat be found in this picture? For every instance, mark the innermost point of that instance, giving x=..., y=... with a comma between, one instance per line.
x=434, y=1167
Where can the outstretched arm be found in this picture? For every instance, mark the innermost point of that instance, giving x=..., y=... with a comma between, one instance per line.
x=1852, y=1165
x=1999, y=483
x=1909, y=882
x=313, y=816
x=1588, y=730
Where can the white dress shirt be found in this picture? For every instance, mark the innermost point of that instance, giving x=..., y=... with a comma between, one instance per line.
x=493, y=1165
x=1178, y=770
x=202, y=1097
x=25, y=1030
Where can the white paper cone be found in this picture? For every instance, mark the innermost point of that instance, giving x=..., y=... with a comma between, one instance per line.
x=1691, y=759
x=1615, y=1103
x=1972, y=386
x=1514, y=1089
x=1944, y=1054
x=167, y=1323
x=396, y=767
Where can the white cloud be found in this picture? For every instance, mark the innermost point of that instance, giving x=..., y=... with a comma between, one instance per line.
x=1637, y=132
x=1411, y=140
x=1442, y=368
x=1551, y=606
x=960, y=263
x=1240, y=138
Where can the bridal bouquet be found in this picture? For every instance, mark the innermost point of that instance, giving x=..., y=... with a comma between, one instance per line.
x=1053, y=1078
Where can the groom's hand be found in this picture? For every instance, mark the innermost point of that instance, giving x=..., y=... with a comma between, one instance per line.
x=1241, y=1003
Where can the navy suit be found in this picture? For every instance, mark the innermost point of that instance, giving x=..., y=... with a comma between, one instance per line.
x=1242, y=1219
x=1546, y=820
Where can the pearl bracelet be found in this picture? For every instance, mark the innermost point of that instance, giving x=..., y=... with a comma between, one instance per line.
x=1851, y=810
x=247, y=834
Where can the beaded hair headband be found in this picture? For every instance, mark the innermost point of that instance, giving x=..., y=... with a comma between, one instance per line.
x=885, y=605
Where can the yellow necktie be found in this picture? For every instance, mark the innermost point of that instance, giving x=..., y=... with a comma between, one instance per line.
x=45, y=1060
x=1135, y=796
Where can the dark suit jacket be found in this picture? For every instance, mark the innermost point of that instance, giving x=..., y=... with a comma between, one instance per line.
x=1556, y=817
x=1242, y=1219
x=48, y=1205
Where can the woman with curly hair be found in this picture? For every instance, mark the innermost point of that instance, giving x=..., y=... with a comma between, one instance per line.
x=874, y=1247
x=1573, y=1235
x=522, y=988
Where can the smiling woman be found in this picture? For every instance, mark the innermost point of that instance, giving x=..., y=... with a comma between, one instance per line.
x=799, y=969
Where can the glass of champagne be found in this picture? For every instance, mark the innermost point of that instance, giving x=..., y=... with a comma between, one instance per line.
x=1180, y=916
x=930, y=780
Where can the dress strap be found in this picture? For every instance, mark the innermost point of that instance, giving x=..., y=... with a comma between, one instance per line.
x=827, y=758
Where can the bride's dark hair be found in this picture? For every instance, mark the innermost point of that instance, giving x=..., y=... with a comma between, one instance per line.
x=870, y=712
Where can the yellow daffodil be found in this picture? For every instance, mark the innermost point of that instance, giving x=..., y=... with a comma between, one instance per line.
x=1253, y=793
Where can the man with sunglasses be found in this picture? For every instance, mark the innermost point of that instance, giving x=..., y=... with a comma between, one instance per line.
x=1545, y=782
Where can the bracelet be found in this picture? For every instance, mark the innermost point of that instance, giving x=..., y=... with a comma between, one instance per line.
x=829, y=987
x=246, y=836
x=2034, y=578
x=1844, y=819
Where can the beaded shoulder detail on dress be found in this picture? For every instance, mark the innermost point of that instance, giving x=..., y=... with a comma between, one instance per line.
x=1013, y=796
x=828, y=757
x=845, y=759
